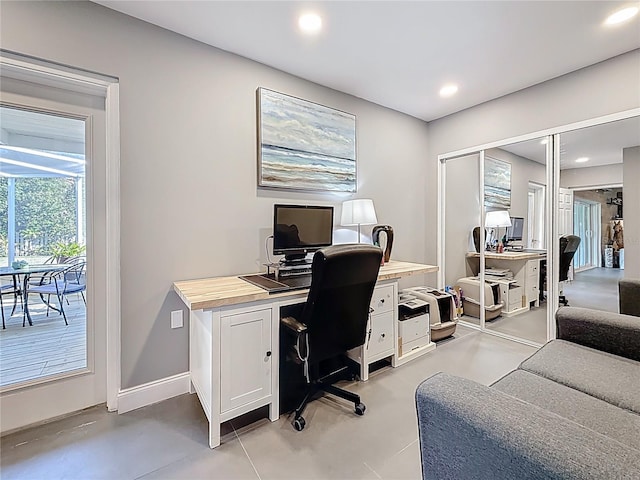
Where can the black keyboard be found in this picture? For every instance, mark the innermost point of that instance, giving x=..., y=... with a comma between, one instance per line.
x=296, y=281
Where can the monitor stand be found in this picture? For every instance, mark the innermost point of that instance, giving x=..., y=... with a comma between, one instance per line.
x=295, y=259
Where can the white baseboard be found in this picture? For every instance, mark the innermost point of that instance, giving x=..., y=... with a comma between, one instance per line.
x=152, y=392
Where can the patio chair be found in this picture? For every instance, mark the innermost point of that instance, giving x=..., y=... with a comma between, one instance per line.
x=9, y=289
x=62, y=283
x=41, y=278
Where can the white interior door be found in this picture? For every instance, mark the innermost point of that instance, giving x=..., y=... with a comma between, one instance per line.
x=83, y=384
x=565, y=211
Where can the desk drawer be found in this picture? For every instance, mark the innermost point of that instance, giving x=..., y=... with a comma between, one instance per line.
x=532, y=267
x=515, y=298
x=382, y=299
x=381, y=335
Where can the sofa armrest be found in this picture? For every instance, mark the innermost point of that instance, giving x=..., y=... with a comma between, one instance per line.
x=605, y=331
x=629, y=296
x=468, y=430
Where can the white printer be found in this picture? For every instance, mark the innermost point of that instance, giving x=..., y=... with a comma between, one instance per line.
x=413, y=323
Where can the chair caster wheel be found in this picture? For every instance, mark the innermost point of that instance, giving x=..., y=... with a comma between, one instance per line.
x=360, y=408
x=299, y=424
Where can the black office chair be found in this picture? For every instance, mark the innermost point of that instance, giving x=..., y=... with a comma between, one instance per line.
x=568, y=246
x=334, y=318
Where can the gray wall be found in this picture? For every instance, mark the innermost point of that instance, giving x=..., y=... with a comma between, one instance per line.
x=631, y=212
x=591, y=176
x=462, y=214
x=190, y=206
x=601, y=89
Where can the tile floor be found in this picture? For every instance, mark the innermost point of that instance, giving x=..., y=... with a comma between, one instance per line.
x=169, y=440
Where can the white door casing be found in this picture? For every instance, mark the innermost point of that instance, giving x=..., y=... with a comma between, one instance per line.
x=41, y=87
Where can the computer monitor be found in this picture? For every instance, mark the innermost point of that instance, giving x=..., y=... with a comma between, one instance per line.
x=300, y=229
x=514, y=232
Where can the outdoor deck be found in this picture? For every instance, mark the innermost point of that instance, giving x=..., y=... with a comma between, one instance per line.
x=46, y=348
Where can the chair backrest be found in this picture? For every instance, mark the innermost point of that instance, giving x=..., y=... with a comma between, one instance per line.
x=72, y=274
x=568, y=246
x=337, y=307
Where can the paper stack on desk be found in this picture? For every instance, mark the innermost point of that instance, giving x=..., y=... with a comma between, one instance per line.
x=498, y=273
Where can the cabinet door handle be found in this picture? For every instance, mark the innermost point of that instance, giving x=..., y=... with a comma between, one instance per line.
x=269, y=353
x=383, y=335
x=382, y=300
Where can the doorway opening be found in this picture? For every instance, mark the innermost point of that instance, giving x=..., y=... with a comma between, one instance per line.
x=42, y=241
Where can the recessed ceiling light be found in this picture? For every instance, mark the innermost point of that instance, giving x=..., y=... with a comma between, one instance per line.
x=310, y=23
x=448, y=90
x=621, y=15
x=582, y=159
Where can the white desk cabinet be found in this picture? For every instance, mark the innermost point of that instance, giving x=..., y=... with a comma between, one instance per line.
x=234, y=330
x=245, y=359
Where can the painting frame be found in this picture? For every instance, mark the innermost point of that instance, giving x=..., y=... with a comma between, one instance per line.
x=303, y=145
x=497, y=183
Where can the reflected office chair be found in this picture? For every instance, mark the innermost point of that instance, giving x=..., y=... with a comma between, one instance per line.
x=568, y=246
x=333, y=320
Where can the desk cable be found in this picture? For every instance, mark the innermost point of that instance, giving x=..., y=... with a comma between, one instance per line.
x=369, y=328
x=266, y=247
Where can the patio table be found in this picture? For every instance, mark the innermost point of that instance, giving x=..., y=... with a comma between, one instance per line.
x=26, y=272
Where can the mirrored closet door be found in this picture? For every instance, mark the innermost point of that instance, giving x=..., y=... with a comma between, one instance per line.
x=595, y=208
x=515, y=262
x=461, y=241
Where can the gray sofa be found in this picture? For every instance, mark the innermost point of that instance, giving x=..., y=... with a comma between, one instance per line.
x=570, y=411
x=629, y=296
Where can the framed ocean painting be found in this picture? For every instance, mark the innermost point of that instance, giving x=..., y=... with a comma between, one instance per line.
x=497, y=183
x=303, y=145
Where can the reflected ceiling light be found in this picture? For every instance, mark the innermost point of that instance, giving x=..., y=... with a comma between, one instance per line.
x=448, y=90
x=621, y=15
x=544, y=141
x=310, y=23
x=582, y=159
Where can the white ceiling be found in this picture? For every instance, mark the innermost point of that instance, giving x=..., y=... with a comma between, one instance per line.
x=399, y=53
x=601, y=144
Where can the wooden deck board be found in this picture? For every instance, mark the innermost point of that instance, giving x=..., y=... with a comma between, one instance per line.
x=48, y=347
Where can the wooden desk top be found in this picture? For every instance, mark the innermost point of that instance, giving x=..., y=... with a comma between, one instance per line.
x=509, y=255
x=217, y=292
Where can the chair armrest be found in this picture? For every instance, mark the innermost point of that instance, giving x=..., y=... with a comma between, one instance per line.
x=470, y=431
x=293, y=324
x=605, y=331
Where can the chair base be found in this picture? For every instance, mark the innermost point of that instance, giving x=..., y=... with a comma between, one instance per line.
x=325, y=385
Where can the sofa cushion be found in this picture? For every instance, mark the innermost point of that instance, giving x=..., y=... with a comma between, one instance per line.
x=614, y=379
x=470, y=431
x=583, y=409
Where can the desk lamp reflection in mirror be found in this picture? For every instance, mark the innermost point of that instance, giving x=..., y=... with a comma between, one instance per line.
x=493, y=221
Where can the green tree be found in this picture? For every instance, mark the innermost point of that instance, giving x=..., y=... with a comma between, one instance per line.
x=45, y=213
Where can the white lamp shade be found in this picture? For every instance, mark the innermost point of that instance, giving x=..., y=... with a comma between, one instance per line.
x=358, y=212
x=497, y=218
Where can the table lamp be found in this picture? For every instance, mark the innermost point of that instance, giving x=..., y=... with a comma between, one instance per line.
x=497, y=219
x=358, y=212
